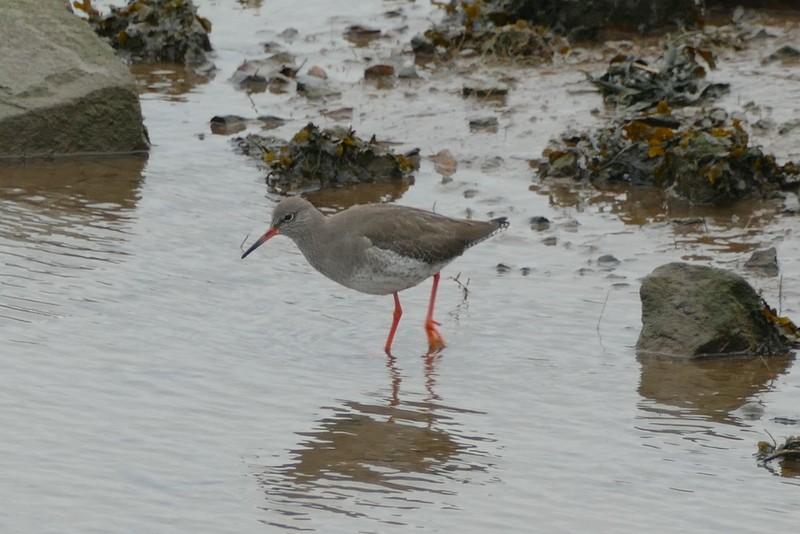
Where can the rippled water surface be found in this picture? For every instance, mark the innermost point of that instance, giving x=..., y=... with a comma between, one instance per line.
x=154, y=382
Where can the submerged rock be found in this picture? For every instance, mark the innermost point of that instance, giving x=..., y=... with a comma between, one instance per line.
x=694, y=311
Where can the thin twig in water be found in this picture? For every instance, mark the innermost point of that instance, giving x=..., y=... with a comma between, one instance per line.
x=774, y=443
x=461, y=286
x=766, y=365
x=597, y=327
x=780, y=296
x=241, y=246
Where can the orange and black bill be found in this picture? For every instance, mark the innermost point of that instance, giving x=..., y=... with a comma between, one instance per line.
x=270, y=233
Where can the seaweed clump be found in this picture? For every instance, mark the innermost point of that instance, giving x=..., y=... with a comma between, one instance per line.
x=317, y=159
x=676, y=77
x=153, y=30
x=789, y=449
x=535, y=30
x=475, y=27
x=702, y=155
x=706, y=160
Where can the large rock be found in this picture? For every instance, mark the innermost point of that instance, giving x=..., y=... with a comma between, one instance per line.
x=62, y=90
x=691, y=311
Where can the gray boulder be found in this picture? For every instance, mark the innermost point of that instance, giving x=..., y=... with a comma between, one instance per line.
x=692, y=311
x=62, y=90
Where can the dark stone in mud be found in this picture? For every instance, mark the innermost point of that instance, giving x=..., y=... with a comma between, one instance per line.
x=422, y=46
x=607, y=262
x=764, y=262
x=227, y=124
x=379, y=71
x=694, y=311
x=486, y=124
x=484, y=88
x=154, y=30
x=62, y=90
x=231, y=124
x=539, y=223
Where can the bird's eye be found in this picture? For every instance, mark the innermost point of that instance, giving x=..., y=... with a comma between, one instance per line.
x=289, y=217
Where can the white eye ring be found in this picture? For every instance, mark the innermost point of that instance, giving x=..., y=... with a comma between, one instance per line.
x=289, y=217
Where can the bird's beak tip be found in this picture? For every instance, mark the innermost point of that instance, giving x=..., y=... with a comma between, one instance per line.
x=270, y=233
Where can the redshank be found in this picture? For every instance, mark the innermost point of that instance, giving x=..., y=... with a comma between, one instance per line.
x=379, y=248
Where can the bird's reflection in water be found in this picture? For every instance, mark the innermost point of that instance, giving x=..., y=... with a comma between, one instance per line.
x=401, y=452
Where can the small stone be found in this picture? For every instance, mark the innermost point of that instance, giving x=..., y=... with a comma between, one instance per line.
x=539, y=223
x=421, y=45
x=379, y=71
x=503, y=268
x=607, y=262
x=270, y=122
x=483, y=88
x=408, y=72
x=361, y=35
x=489, y=124
x=314, y=88
x=340, y=114
x=788, y=126
x=785, y=54
x=764, y=262
x=444, y=163
x=318, y=72
x=550, y=241
x=227, y=124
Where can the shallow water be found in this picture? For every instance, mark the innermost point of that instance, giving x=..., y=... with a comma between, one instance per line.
x=152, y=381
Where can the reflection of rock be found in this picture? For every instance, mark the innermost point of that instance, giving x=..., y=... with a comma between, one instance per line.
x=69, y=189
x=170, y=79
x=62, y=221
x=691, y=311
x=63, y=89
x=711, y=387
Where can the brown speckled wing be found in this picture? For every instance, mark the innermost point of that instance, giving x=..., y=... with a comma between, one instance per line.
x=426, y=236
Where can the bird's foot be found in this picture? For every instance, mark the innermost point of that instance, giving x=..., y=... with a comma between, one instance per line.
x=435, y=340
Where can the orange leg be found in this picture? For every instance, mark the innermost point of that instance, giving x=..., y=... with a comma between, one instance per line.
x=435, y=339
x=398, y=312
